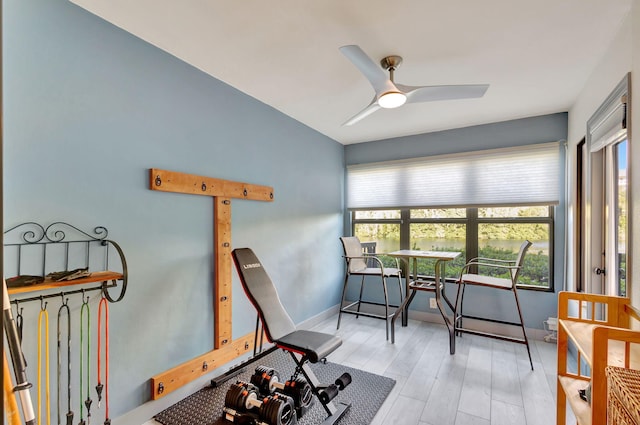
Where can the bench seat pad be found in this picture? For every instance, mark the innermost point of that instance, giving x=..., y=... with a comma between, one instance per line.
x=314, y=345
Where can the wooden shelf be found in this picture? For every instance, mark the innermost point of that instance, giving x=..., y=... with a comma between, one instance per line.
x=599, y=343
x=581, y=409
x=49, y=284
x=581, y=334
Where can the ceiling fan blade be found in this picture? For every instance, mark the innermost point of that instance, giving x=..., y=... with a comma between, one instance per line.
x=372, y=71
x=370, y=109
x=417, y=94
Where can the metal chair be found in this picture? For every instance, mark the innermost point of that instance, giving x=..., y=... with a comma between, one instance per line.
x=467, y=277
x=358, y=264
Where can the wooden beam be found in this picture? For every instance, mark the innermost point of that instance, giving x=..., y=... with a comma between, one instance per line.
x=166, y=382
x=223, y=269
x=173, y=181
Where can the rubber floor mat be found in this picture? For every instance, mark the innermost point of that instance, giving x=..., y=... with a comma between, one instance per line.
x=366, y=394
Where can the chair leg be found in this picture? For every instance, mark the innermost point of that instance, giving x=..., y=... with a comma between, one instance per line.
x=402, y=296
x=344, y=293
x=386, y=306
x=457, y=315
x=524, y=333
x=360, y=297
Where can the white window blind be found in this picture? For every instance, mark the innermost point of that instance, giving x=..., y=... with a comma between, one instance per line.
x=525, y=175
x=609, y=123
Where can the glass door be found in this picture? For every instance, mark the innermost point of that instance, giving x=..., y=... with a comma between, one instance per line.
x=606, y=249
x=620, y=203
x=615, y=218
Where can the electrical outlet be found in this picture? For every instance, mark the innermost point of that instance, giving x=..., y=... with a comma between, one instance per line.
x=432, y=303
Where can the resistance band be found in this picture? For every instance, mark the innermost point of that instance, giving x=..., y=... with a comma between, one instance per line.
x=65, y=307
x=87, y=402
x=99, y=387
x=44, y=314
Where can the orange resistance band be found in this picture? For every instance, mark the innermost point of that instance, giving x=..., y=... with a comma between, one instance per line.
x=99, y=387
x=43, y=314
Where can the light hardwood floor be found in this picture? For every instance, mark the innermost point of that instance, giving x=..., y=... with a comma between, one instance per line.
x=487, y=381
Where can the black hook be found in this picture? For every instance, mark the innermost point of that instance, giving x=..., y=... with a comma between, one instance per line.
x=43, y=305
x=19, y=320
x=83, y=300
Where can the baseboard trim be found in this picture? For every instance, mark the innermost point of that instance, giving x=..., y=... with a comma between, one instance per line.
x=318, y=318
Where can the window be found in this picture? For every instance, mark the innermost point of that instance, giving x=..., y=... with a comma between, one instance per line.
x=381, y=227
x=482, y=203
x=495, y=232
x=438, y=229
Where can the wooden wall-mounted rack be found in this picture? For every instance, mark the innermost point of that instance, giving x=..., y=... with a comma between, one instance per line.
x=30, y=249
x=224, y=348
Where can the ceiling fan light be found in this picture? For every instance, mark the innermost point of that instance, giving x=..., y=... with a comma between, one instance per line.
x=392, y=99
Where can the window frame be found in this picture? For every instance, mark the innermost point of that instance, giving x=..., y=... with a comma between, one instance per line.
x=471, y=221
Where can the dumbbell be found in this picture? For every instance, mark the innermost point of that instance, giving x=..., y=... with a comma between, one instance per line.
x=268, y=381
x=331, y=391
x=243, y=399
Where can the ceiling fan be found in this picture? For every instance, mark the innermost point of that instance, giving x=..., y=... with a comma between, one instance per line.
x=389, y=94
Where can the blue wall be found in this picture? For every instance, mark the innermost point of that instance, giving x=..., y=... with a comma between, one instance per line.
x=88, y=110
x=537, y=306
x=525, y=131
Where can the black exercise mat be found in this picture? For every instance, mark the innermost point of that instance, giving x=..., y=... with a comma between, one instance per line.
x=366, y=394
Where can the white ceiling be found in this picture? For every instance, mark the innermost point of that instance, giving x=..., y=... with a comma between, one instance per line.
x=536, y=54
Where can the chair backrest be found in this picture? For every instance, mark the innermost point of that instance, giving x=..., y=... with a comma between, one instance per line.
x=262, y=294
x=370, y=249
x=520, y=260
x=353, y=248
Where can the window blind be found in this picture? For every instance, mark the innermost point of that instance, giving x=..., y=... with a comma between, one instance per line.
x=609, y=124
x=527, y=175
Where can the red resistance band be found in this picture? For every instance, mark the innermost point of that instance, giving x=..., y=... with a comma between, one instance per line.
x=99, y=387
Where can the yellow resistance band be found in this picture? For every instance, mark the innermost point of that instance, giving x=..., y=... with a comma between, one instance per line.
x=45, y=314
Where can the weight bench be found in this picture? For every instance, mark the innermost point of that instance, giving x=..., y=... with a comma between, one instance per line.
x=304, y=346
